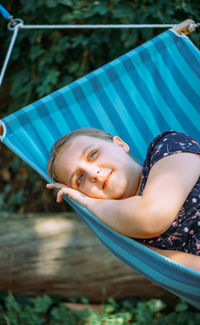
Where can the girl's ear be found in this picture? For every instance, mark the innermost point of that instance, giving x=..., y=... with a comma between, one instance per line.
x=119, y=142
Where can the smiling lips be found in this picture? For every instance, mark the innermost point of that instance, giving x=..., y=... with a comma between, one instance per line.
x=106, y=181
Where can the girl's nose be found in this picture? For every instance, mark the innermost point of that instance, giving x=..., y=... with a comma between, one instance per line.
x=94, y=175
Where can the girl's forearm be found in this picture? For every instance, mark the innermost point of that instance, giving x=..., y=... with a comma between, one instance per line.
x=134, y=217
x=128, y=216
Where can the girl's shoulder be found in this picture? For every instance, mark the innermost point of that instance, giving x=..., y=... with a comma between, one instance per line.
x=168, y=143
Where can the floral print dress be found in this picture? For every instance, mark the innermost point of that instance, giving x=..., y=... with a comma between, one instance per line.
x=184, y=233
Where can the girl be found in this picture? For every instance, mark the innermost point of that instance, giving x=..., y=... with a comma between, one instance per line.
x=157, y=204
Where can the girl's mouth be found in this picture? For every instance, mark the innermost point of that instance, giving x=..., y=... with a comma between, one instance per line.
x=106, y=181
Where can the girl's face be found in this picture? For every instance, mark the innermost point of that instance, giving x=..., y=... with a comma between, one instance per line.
x=98, y=168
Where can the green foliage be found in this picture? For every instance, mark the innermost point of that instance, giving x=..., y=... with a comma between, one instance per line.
x=48, y=311
x=45, y=60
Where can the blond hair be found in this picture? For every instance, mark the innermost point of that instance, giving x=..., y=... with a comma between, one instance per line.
x=67, y=140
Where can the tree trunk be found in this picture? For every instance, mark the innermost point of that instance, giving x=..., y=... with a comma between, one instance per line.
x=58, y=254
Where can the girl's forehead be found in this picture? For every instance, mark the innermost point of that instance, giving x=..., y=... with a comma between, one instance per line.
x=76, y=148
x=85, y=140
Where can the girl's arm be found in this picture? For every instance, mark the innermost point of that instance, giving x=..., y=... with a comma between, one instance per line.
x=190, y=260
x=170, y=181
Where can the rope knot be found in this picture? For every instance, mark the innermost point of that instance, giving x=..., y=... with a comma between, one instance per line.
x=15, y=22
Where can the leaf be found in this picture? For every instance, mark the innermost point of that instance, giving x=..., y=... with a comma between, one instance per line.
x=13, y=310
x=36, y=51
x=84, y=300
x=68, y=3
x=51, y=79
x=102, y=8
x=30, y=317
x=42, y=304
x=51, y=3
x=182, y=306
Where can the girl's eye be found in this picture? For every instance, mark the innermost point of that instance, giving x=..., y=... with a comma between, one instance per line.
x=92, y=155
x=79, y=179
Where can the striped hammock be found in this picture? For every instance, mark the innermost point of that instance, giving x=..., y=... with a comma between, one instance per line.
x=152, y=89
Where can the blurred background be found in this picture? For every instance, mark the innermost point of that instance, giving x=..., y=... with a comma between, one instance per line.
x=45, y=60
x=44, y=251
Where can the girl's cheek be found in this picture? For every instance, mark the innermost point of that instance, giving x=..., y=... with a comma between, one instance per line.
x=93, y=191
x=86, y=188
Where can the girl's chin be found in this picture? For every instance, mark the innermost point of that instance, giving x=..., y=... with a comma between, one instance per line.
x=118, y=195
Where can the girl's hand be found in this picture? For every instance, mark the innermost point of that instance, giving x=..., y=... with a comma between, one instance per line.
x=75, y=195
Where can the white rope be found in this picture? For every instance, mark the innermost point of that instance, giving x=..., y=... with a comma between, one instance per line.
x=14, y=36
x=192, y=27
x=112, y=26
x=16, y=24
x=2, y=124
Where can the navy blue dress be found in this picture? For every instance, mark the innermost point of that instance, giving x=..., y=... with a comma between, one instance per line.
x=184, y=233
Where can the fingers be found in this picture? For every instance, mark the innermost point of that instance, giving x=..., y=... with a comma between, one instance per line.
x=55, y=185
x=61, y=192
x=71, y=193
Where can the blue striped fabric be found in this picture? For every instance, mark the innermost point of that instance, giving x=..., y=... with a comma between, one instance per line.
x=152, y=89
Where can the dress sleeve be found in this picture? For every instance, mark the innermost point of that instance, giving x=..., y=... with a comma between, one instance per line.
x=171, y=142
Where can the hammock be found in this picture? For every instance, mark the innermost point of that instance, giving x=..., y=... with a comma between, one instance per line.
x=152, y=89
